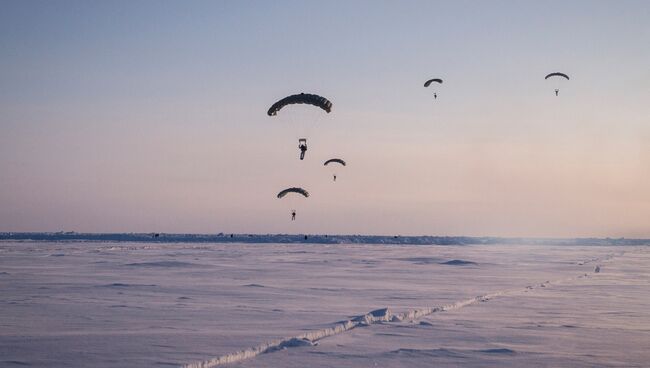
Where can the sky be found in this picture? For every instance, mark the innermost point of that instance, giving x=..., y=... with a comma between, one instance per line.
x=150, y=116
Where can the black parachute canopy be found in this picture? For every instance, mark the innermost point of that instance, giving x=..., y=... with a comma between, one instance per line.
x=557, y=74
x=293, y=190
x=303, y=98
x=337, y=160
x=437, y=80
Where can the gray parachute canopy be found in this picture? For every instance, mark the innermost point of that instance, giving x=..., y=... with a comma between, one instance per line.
x=337, y=160
x=303, y=98
x=293, y=190
x=557, y=74
x=437, y=80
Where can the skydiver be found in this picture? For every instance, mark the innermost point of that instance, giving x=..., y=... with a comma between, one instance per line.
x=303, y=149
x=334, y=177
x=293, y=215
x=435, y=96
x=557, y=91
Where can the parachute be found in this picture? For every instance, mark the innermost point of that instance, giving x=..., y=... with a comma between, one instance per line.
x=303, y=98
x=337, y=160
x=334, y=160
x=301, y=120
x=293, y=190
x=557, y=82
x=557, y=74
x=437, y=80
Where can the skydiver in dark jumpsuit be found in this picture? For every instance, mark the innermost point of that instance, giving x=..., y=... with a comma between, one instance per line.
x=293, y=215
x=303, y=149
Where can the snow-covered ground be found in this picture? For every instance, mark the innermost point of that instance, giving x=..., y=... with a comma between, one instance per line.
x=120, y=304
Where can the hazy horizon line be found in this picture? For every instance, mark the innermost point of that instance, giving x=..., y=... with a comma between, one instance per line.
x=161, y=236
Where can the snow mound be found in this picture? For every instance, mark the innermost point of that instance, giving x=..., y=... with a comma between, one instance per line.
x=163, y=264
x=123, y=285
x=292, y=343
x=458, y=262
x=498, y=351
x=432, y=353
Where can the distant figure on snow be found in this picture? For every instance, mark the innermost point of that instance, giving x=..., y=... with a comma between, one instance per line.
x=597, y=270
x=435, y=96
x=334, y=177
x=557, y=91
x=302, y=145
x=293, y=215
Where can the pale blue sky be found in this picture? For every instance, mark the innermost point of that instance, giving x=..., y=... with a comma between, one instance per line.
x=151, y=116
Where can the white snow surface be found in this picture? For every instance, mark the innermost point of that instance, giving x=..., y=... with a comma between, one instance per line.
x=140, y=304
